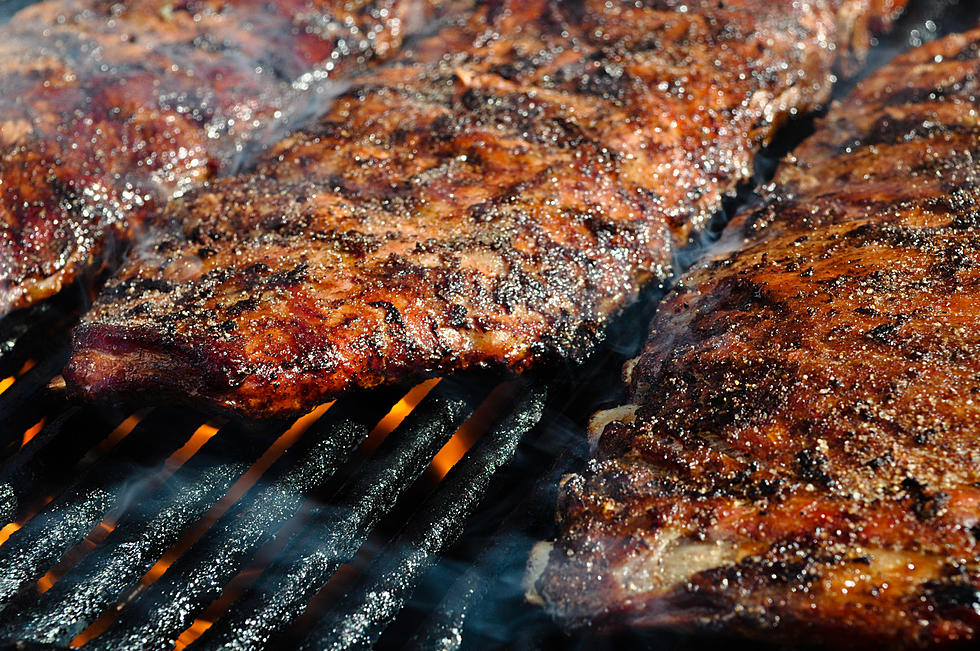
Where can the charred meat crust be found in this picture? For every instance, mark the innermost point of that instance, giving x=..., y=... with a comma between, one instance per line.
x=803, y=462
x=488, y=198
x=111, y=108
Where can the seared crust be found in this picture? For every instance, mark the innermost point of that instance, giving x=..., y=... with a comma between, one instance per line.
x=487, y=200
x=108, y=109
x=803, y=461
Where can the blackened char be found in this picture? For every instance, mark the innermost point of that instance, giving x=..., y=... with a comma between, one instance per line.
x=489, y=198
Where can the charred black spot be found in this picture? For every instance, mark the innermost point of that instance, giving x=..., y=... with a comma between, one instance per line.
x=605, y=81
x=392, y=315
x=764, y=488
x=457, y=316
x=286, y=225
x=136, y=286
x=258, y=268
x=291, y=278
x=925, y=505
x=883, y=332
x=880, y=461
x=741, y=293
x=513, y=70
x=242, y=306
x=136, y=310
x=791, y=572
x=888, y=234
x=474, y=99
x=891, y=130
x=811, y=466
x=956, y=595
x=922, y=436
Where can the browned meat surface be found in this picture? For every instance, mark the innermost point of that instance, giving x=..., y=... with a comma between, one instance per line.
x=487, y=200
x=800, y=457
x=107, y=109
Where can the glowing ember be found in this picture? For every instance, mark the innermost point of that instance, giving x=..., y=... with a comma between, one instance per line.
x=195, y=631
x=239, y=488
x=470, y=431
x=201, y=435
x=8, y=382
x=32, y=432
x=6, y=532
x=453, y=451
x=121, y=431
x=398, y=413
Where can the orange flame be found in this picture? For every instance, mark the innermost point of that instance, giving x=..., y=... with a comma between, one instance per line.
x=470, y=431
x=120, y=432
x=32, y=432
x=453, y=451
x=8, y=382
x=195, y=631
x=201, y=435
x=398, y=413
x=239, y=488
x=8, y=530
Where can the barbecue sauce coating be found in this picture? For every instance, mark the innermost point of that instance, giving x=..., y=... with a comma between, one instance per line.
x=108, y=109
x=800, y=460
x=489, y=198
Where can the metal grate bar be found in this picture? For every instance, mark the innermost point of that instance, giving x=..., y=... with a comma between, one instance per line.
x=335, y=532
x=46, y=537
x=198, y=576
x=24, y=333
x=444, y=629
x=49, y=454
x=22, y=405
x=137, y=541
x=363, y=614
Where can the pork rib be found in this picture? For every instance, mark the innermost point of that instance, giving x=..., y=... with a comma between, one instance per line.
x=490, y=198
x=108, y=109
x=800, y=457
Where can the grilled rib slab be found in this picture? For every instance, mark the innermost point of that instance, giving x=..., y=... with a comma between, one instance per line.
x=108, y=109
x=488, y=199
x=799, y=460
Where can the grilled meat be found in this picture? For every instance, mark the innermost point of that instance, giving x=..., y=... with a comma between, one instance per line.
x=110, y=108
x=799, y=457
x=488, y=199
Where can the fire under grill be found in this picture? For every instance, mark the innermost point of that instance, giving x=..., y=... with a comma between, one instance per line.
x=386, y=516
x=395, y=517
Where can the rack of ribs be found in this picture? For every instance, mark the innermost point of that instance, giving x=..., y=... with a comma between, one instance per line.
x=111, y=108
x=799, y=457
x=489, y=199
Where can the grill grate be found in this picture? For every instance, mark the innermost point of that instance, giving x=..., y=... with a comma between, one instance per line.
x=148, y=483
x=390, y=516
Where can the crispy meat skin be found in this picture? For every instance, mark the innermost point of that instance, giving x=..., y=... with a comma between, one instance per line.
x=800, y=459
x=488, y=199
x=110, y=108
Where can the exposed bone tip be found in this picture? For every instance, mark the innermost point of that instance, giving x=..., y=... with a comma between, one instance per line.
x=536, y=562
x=57, y=383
